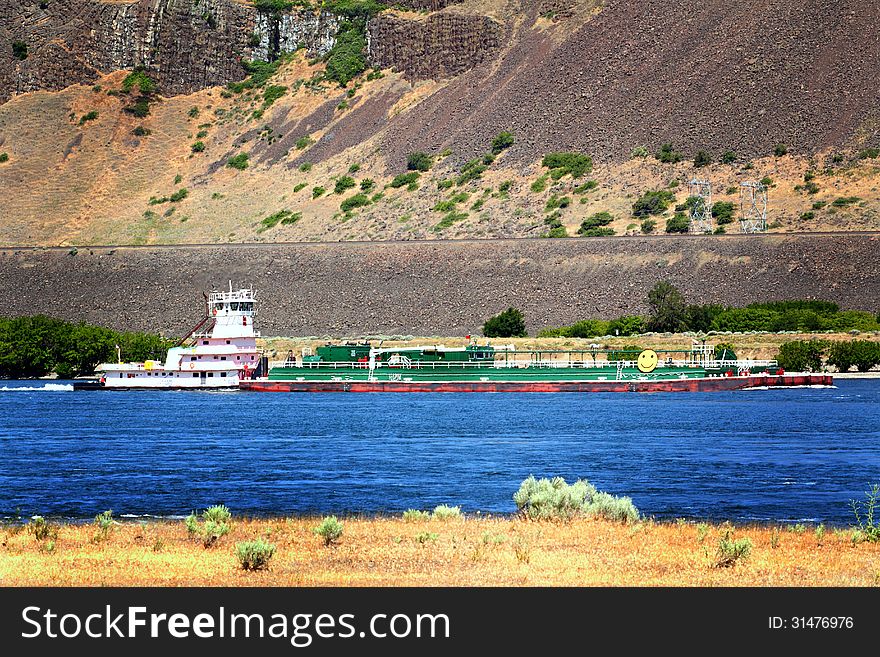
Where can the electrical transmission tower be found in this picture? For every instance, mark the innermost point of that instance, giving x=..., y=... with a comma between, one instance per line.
x=752, y=207
x=701, y=207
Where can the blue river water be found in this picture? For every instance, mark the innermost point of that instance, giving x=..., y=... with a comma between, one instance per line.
x=797, y=455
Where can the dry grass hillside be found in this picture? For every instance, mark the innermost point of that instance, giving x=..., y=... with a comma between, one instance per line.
x=78, y=173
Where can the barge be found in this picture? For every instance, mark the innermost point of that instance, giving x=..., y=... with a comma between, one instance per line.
x=361, y=367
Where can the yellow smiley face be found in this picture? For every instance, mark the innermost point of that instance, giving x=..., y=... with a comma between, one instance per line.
x=647, y=361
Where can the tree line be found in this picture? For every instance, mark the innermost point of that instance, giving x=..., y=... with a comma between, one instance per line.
x=670, y=313
x=36, y=346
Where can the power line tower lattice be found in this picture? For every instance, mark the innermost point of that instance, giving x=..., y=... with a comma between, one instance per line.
x=752, y=207
x=700, y=194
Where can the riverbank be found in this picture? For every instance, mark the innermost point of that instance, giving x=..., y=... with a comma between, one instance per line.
x=474, y=551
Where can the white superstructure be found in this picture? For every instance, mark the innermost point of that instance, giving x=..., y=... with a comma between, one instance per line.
x=219, y=352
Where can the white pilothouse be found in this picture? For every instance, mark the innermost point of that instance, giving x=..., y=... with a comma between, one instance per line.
x=219, y=352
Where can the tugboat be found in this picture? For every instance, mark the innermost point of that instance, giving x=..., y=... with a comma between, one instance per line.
x=361, y=367
x=219, y=352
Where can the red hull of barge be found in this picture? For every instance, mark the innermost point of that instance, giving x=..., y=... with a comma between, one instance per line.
x=671, y=385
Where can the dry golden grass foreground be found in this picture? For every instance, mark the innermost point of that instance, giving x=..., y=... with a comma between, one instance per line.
x=471, y=551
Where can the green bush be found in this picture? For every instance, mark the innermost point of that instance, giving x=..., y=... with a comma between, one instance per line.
x=404, y=179
x=179, y=195
x=626, y=325
x=353, y=202
x=554, y=499
x=346, y=59
x=728, y=157
x=472, y=170
x=139, y=78
x=647, y=226
x=213, y=525
x=414, y=515
x=668, y=155
x=869, y=154
x=317, y=191
x=330, y=530
x=588, y=186
x=4, y=157
x=731, y=551
x=91, y=116
x=19, y=50
x=419, y=161
x=653, y=203
x=555, y=202
x=863, y=354
x=343, y=184
x=367, y=184
x=678, y=224
x=639, y=152
x=239, y=161
x=845, y=201
x=592, y=222
x=444, y=512
x=575, y=164
x=284, y=217
x=254, y=555
x=198, y=147
x=780, y=149
x=507, y=324
x=272, y=93
x=304, y=142
x=801, y=355
x=501, y=142
x=722, y=211
x=626, y=352
x=701, y=159
x=540, y=184
x=305, y=167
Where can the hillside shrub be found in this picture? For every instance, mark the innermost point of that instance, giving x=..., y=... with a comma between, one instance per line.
x=702, y=159
x=198, y=147
x=239, y=161
x=780, y=149
x=91, y=116
x=653, y=203
x=419, y=161
x=343, y=183
x=254, y=555
x=472, y=170
x=347, y=59
x=722, y=212
x=598, y=220
x=179, y=195
x=404, y=179
x=575, y=164
x=680, y=223
x=554, y=499
x=317, y=192
x=501, y=142
x=507, y=324
x=647, y=226
x=141, y=131
x=19, y=50
x=728, y=157
x=353, y=202
x=668, y=155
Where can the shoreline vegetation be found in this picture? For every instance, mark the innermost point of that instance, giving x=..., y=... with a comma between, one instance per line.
x=562, y=535
x=472, y=550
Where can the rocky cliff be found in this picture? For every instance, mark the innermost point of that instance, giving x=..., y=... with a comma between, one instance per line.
x=187, y=44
